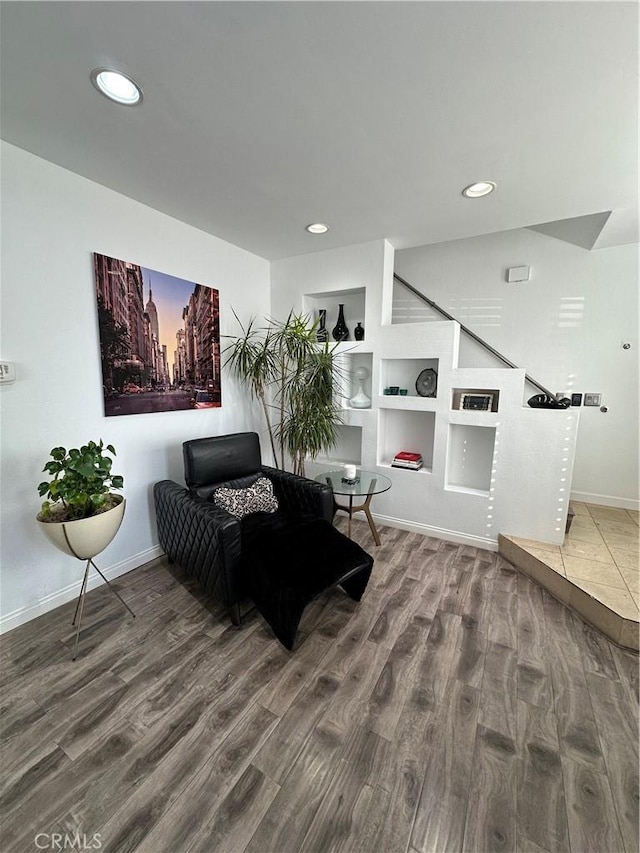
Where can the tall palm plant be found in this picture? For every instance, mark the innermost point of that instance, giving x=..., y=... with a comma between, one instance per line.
x=295, y=380
x=253, y=361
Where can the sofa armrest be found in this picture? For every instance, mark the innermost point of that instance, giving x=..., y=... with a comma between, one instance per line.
x=298, y=494
x=203, y=539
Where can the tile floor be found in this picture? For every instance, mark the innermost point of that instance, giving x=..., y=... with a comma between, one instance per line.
x=599, y=557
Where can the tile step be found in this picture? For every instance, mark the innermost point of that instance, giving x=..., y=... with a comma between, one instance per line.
x=620, y=626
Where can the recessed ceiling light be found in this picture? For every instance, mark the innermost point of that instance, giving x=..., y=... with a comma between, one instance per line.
x=116, y=86
x=317, y=228
x=479, y=189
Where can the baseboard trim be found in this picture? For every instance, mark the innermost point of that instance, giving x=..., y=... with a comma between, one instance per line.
x=62, y=596
x=605, y=500
x=438, y=532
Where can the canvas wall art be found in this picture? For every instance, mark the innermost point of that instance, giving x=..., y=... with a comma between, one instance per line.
x=159, y=340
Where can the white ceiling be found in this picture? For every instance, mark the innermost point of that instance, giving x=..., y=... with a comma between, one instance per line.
x=259, y=118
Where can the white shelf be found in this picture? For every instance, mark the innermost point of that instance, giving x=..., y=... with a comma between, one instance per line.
x=350, y=348
x=388, y=465
x=358, y=417
x=407, y=404
x=462, y=490
x=480, y=419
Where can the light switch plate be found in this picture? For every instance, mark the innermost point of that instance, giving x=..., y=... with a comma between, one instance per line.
x=592, y=399
x=7, y=372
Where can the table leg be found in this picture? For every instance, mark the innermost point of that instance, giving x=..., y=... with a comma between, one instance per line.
x=361, y=508
x=372, y=526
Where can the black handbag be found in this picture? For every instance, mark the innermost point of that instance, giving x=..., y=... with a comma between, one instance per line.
x=544, y=401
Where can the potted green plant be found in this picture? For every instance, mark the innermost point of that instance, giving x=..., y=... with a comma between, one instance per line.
x=295, y=379
x=81, y=515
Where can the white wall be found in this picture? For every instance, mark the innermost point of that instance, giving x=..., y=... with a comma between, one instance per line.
x=565, y=326
x=52, y=222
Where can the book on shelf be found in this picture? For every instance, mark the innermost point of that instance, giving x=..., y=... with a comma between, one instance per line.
x=407, y=459
x=407, y=456
x=411, y=466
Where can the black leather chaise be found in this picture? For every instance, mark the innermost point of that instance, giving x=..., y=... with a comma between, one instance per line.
x=281, y=559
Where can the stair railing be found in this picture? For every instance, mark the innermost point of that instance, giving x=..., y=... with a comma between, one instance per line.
x=471, y=334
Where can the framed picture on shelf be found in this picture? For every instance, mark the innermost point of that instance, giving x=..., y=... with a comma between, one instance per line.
x=476, y=402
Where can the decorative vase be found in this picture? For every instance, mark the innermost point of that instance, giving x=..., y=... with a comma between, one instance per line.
x=361, y=400
x=322, y=335
x=84, y=538
x=358, y=332
x=340, y=330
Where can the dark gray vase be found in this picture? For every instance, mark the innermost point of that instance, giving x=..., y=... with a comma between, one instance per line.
x=340, y=330
x=322, y=335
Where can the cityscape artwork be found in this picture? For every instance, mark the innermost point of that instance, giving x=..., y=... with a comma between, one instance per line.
x=159, y=340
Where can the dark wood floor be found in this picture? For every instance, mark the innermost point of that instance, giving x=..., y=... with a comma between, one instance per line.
x=457, y=707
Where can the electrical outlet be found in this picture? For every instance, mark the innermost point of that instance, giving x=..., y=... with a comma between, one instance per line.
x=592, y=399
x=576, y=399
x=7, y=372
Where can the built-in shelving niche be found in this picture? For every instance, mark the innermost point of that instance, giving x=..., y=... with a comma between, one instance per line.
x=348, y=363
x=404, y=372
x=405, y=430
x=354, y=302
x=458, y=394
x=470, y=458
x=348, y=447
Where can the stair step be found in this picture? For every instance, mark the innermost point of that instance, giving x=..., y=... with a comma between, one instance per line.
x=622, y=627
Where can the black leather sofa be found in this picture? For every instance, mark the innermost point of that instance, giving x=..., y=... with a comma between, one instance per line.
x=281, y=560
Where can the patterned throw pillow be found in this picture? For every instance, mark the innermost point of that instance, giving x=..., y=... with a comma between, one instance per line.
x=240, y=502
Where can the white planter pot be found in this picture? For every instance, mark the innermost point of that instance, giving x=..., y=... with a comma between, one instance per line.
x=85, y=537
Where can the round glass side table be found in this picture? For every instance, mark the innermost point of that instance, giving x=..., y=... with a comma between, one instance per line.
x=366, y=485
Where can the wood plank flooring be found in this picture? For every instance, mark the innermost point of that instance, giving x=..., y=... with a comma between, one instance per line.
x=458, y=707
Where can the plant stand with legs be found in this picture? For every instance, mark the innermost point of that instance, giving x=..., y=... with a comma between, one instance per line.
x=83, y=539
x=81, y=597
x=81, y=515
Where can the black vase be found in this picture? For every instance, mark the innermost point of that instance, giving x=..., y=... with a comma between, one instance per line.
x=358, y=333
x=322, y=335
x=340, y=330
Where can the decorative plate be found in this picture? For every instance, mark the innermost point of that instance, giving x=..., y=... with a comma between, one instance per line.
x=427, y=382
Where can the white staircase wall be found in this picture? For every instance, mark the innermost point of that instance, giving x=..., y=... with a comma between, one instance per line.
x=485, y=472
